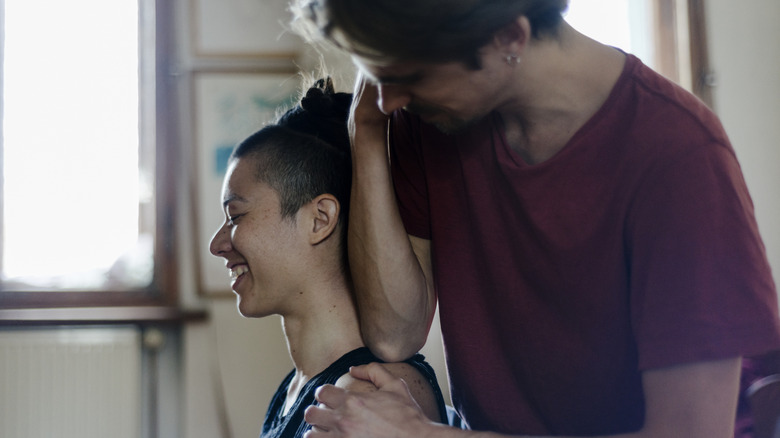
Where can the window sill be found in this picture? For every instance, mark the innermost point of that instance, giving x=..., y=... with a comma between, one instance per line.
x=100, y=315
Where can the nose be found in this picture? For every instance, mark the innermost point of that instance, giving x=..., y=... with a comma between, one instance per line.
x=392, y=97
x=220, y=243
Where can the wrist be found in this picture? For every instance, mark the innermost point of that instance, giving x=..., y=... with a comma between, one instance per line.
x=437, y=430
x=371, y=132
x=369, y=143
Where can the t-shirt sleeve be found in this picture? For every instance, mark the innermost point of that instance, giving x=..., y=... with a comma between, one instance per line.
x=406, y=163
x=701, y=285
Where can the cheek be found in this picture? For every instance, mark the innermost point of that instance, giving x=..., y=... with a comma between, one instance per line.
x=244, y=237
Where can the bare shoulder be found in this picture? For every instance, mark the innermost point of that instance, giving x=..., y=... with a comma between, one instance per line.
x=350, y=383
x=416, y=382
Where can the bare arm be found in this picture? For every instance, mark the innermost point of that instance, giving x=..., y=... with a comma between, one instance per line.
x=390, y=270
x=687, y=401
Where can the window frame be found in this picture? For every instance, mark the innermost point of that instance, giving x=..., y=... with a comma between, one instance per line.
x=163, y=291
x=671, y=45
x=702, y=77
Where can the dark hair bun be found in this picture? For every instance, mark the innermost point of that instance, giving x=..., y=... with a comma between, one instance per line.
x=321, y=99
x=322, y=113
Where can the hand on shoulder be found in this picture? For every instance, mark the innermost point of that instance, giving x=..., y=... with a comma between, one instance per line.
x=401, y=377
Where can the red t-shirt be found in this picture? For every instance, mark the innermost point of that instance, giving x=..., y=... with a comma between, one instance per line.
x=635, y=247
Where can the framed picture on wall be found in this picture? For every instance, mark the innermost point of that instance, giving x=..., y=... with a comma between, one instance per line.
x=242, y=28
x=227, y=107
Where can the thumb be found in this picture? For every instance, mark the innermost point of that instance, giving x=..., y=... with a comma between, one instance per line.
x=374, y=372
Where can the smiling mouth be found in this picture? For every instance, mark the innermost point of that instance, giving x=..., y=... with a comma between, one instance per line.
x=238, y=271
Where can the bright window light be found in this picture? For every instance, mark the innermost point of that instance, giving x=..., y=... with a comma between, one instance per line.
x=71, y=184
x=625, y=24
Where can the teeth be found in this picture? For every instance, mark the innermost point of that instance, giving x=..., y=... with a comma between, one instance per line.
x=237, y=271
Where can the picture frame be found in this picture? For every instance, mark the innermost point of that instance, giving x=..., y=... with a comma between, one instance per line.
x=227, y=108
x=255, y=29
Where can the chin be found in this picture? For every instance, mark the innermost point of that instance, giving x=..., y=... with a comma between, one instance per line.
x=452, y=125
x=443, y=120
x=244, y=309
x=248, y=310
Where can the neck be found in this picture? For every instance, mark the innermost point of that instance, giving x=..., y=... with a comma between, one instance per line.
x=324, y=330
x=314, y=343
x=560, y=84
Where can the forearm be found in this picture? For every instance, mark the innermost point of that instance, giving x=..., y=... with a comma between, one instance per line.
x=442, y=431
x=394, y=296
x=697, y=400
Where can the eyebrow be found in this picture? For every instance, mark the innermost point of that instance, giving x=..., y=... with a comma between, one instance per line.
x=230, y=198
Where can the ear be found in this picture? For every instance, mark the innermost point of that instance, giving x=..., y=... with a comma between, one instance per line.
x=513, y=37
x=325, y=210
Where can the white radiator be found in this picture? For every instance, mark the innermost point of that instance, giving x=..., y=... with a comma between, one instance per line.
x=70, y=382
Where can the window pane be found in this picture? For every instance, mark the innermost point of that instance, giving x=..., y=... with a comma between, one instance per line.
x=73, y=179
x=657, y=31
x=626, y=24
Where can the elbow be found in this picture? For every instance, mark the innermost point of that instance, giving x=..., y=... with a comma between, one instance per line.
x=394, y=349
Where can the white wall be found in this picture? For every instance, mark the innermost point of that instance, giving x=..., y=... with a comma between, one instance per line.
x=244, y=360
x=745, y=55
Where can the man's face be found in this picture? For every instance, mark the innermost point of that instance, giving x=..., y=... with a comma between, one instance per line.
x=450, y=96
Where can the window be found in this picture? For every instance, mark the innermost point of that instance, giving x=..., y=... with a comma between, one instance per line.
x=668, y=35
x=86, y=198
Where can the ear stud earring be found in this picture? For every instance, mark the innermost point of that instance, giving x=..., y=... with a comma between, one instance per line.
x=512, y=59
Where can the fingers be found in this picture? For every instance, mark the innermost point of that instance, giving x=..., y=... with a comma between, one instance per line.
x=360, y=83
x=324, y=417
x=316, y=432
x=321, y=418
x=330, y=396
x=313, y=434
x=374, y=372
x=388, y=412
x=381, y=378
x=366, y=91
x=365, y=104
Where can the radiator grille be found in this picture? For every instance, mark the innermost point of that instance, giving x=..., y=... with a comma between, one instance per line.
x=70, y=382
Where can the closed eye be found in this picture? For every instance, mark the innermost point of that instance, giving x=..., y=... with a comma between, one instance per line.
x=233, y=219
x=409, y=79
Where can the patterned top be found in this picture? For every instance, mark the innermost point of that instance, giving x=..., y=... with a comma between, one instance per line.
x=292, y=425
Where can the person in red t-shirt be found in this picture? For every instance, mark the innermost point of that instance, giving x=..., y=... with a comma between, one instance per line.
x=581, y=221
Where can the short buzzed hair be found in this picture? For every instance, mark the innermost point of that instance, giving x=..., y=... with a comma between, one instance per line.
x=306, y=152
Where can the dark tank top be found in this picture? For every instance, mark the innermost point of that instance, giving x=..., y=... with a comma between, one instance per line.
x=293, y=425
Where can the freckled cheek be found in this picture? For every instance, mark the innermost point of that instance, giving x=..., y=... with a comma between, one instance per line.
x=240, y=240
x=234, y=237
